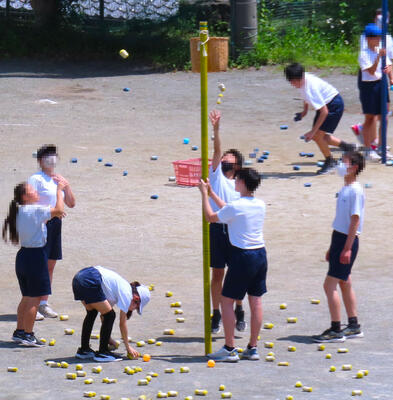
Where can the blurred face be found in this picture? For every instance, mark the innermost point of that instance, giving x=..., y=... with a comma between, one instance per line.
x=31, y=196
x=229, y=158
x=240, y=185
x=351, y=169
x=373, y=41
x=297, y=83
x=135, y=303
x=48, y=161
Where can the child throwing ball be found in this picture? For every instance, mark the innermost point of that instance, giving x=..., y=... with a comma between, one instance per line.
x=25, y=225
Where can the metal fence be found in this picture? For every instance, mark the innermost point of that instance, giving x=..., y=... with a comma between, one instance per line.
x=113, y=9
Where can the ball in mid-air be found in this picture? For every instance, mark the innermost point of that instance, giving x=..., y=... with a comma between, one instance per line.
x=124, y=53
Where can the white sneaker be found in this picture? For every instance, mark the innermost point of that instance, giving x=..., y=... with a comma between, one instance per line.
x=39, y=316
x=373, y=156
x=47, y=311
x=225, y=355
x=389, y=156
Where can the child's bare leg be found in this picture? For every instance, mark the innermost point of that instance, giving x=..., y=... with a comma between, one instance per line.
x=20, y=314
x=370, y=129
x=228, y=319
x=349, y=297
x=30, y=312
x=216, y=286
x=319, y=139
x=330, y=287
x=256, y=318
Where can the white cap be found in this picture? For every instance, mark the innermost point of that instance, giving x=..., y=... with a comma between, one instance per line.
x=144, y=295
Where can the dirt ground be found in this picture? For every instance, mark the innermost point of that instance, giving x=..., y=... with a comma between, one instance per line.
x=117, y=225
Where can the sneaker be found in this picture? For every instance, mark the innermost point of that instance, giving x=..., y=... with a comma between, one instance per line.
x=18, y=336
x=250, y=354
x=216, y=324
x=225, y=355
x=327, y=166
x=106, y=356
x=241, y=325
x=329, y=336
x=357, y=130
x=352, y=332
x=372, y=156
x=47, y=311
x=39, y=316
x=29, y=340
x=389, y=156
x=84, y=354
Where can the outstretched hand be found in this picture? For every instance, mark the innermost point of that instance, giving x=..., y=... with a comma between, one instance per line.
x=215, y=117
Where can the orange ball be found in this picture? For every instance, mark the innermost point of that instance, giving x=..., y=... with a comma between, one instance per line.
x=146, y=357
x=211, y=363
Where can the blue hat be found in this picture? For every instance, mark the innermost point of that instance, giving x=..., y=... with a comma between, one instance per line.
x=372, y=30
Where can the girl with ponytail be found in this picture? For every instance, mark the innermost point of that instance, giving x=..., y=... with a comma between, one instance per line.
x=25, y=225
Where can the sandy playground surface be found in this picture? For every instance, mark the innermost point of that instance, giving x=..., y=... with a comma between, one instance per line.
x=116, y=224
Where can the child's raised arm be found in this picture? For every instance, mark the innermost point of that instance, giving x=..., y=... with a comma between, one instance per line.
x=215, y=117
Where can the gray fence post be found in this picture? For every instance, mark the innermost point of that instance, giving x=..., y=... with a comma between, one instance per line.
x=244, y=26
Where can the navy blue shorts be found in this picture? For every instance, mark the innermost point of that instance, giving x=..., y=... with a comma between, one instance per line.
x=219, y=245
x=246, y=273
x=31, y=267
x=336, y=109
x=370, y=97
x=86, y=286
x=53, y=241
x=336, y=269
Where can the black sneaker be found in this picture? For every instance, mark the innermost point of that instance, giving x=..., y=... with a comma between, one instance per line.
x=107, y=356
x=352, y=332
x=84, y=354
x=29, y=340
x=241, y=325
x=18, y=336
x=327, y=166
x=329, y=336
x=216, y=323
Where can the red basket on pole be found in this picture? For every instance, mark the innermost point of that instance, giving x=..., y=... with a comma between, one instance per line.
x=188, y=172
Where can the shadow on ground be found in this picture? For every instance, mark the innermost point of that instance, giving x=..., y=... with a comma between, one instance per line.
x=297, y=339
x=8, y=318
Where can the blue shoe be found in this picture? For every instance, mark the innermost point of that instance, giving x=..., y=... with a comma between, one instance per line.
x=225, y=355
x=250, y=354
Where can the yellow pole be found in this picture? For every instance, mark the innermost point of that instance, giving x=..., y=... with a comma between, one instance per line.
x=203, y=37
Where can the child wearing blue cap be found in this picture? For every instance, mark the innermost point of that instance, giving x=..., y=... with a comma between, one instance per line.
x=370, y=86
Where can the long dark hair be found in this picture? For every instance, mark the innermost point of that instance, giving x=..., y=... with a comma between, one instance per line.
x=9, y=226
x=134, y=285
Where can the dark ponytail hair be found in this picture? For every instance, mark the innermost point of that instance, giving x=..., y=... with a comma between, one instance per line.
x=9, y=226
x=134, y=285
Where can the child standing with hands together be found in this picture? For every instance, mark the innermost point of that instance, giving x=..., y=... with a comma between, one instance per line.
x=25, y=224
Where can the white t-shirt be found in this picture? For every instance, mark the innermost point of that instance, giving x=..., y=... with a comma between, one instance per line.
x=316, y=91
x=389, y=45
x=350, y=201
x=367, y=58
x=245, y=218
x=223, y=187
x=116, y=289
x=30, y=225
x=46, y=188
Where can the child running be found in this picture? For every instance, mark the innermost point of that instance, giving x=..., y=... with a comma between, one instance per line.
x=25, y=224
x=247, y=263
x=100, y=289
x=329, y=106
x=222, y=180
x=45, y=182
x=344, y=246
